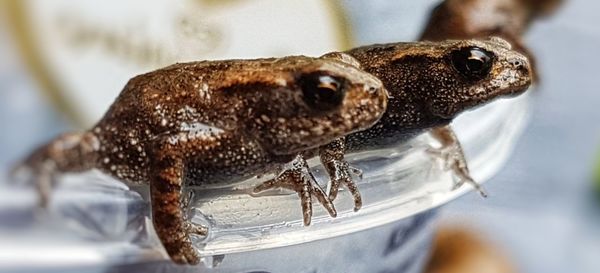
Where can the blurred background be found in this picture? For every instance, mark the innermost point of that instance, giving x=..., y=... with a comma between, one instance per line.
x=62, y=63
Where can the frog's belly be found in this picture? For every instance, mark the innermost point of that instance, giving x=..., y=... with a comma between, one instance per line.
x=224, y=176
x=362, y=141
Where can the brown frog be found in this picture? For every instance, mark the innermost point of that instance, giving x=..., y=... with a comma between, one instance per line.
x=216, y=122
x=429, y=83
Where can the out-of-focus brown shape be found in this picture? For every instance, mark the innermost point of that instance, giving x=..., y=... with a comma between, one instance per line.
x=463, y=19
x=467, y=19
x=458, y=250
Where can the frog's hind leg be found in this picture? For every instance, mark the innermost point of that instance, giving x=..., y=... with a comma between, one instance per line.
x=299, y=178
x=167, y=215
x=452, y=154
x=71, y=152
x=167, y=171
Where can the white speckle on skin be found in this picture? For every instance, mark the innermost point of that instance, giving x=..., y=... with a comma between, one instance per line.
x=203, y=91
x=265, y=118
x=281, y=82
x=173, y=140
x=505, y=79
x=187, y=113
x=197, y=128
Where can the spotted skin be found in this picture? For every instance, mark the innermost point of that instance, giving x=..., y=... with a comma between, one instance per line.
x=215, y=122
x=426, y=91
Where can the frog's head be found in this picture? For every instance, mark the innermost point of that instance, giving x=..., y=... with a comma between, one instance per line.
x=475, y=72
x=315, y=101
x=442, y=79
x=460, y=75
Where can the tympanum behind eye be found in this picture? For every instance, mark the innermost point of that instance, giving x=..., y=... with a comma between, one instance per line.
x=473, y=63
x=321, y=91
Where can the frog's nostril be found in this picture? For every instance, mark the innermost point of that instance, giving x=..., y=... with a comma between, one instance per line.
x=517, y=64
x=523, y=67
x=520, y=65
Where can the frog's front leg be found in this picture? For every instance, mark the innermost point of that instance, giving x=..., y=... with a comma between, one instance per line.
x=452, y=154
x=340, y=172
x=298, y=177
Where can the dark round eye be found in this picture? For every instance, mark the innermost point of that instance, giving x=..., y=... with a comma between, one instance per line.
x=472, y=62
x=322, y=92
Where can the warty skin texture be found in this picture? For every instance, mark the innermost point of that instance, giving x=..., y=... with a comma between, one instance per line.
x=426, y=91
x=215, y=122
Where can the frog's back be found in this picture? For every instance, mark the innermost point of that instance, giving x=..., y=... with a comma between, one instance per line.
x=175, y=97
x=167, y=92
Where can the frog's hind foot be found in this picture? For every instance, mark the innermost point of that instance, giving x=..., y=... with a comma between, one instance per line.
x=453, y=157
x=298, y=178
x=43, y=178
x=196, y=229
x=71, y=152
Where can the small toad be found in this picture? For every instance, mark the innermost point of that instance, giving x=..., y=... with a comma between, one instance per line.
x=215, y=122
x=430, y=83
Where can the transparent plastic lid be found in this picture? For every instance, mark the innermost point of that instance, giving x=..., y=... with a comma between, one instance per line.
x=96, y=220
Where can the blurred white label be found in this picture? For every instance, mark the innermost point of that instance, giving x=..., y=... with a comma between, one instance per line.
x=93, y=47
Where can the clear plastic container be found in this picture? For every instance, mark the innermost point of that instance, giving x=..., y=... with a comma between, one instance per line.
x=95, y=223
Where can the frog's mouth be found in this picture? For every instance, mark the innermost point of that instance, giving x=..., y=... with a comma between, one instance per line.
x=518, y=84
x=515, y=91
x=450, y=111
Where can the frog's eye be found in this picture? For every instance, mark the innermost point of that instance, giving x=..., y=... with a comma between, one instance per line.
x=321, y=91
x=474, y=63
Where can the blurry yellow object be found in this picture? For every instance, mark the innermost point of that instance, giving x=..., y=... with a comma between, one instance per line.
x=460, y=250
x=83, y=52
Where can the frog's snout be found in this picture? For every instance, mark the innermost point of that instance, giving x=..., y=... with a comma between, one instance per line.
x=520, y=64
x=520, y=76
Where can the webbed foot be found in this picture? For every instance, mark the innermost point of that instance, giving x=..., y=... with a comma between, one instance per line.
x=180, y=247
x=184, y=254
x=298, y=178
